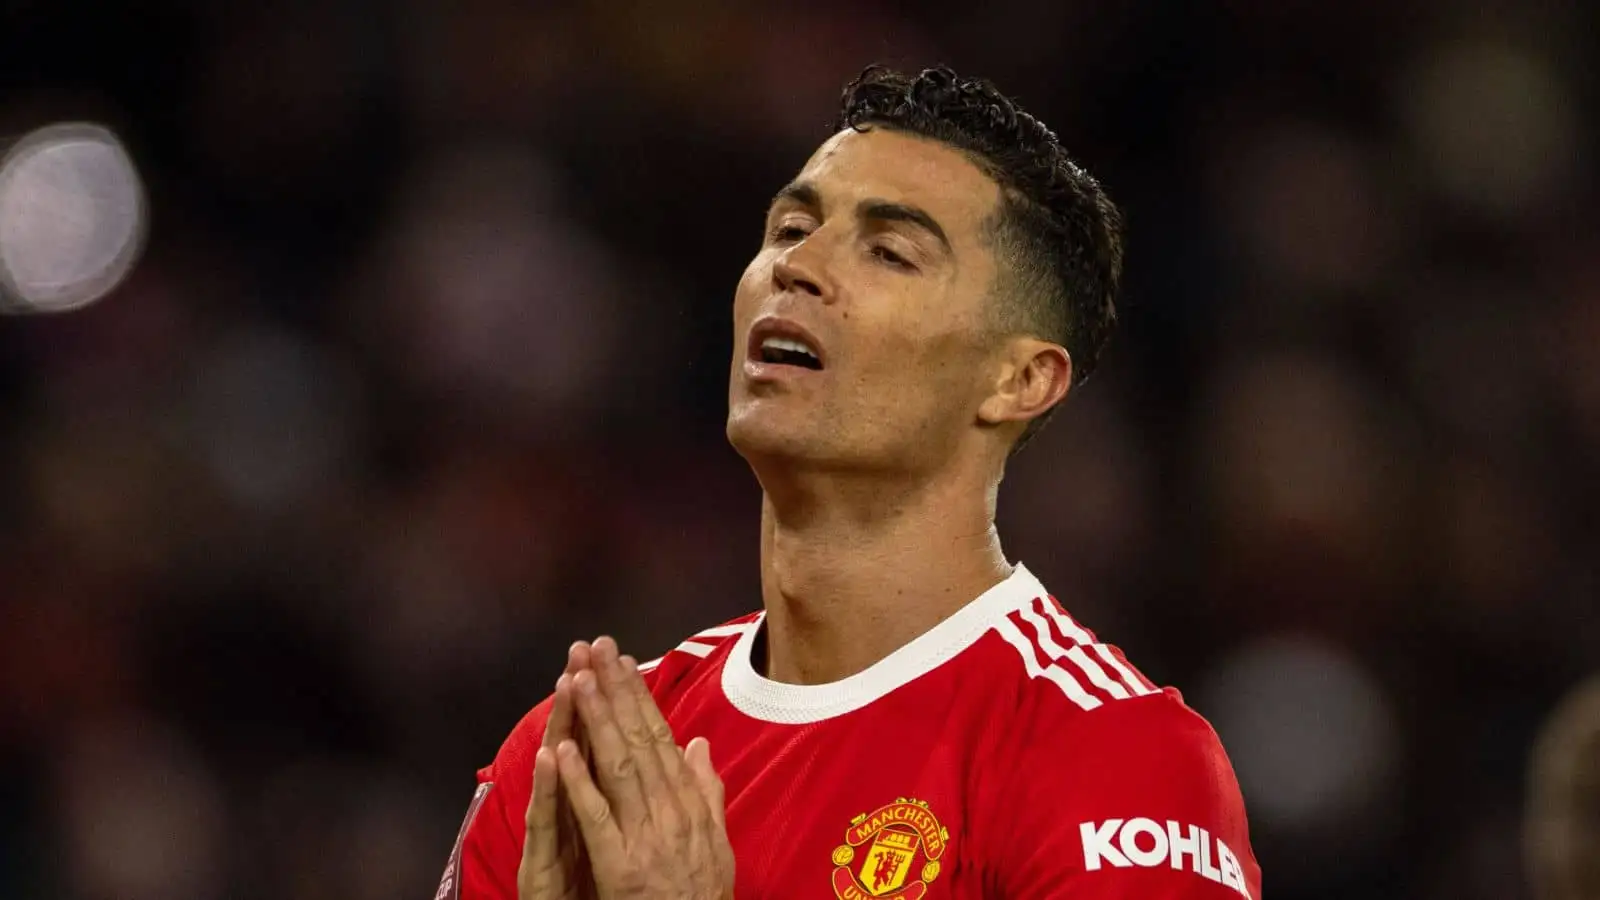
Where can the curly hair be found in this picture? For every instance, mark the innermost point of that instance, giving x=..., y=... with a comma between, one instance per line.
x=1057, y=235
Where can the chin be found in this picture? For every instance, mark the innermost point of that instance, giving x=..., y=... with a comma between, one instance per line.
x=758, y=433
x=755, y=432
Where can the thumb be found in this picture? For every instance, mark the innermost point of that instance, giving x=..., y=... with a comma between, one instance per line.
x=698, y=756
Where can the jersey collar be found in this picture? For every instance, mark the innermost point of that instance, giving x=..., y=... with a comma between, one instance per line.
x=797, y=704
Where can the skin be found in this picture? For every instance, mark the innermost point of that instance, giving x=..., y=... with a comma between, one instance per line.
x=879, y=476
x=555, y=861
x=880, y=473
x=649, y=814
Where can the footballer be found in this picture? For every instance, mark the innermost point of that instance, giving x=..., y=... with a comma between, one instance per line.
x=910, y=715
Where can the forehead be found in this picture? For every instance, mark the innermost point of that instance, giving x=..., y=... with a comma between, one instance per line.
x=900, y=168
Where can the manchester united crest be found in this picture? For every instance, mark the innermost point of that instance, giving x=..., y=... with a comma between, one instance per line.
x=892, y=852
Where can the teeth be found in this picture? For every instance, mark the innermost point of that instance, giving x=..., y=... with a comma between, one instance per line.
x=793, y=346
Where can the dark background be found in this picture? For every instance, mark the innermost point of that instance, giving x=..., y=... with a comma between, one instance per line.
x=422, y=376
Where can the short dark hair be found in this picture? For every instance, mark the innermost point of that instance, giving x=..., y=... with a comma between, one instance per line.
x=1057, y=229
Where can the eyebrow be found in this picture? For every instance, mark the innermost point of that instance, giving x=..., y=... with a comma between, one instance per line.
x=884, y=211
x=801, y=192
x=805, y=194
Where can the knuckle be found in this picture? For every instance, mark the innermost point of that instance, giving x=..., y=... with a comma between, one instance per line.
x=532, y=880
x=637, y=736
x=699, y=816
x=673, y=827
x=622, y=768
x=688, y=784
x=660, y=732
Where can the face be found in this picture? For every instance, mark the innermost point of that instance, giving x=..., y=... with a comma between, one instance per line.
x=861, y=335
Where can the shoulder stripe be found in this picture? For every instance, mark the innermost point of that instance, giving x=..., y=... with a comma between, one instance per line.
x=1087, y=671
x=1140, y=685
x=1053, y=673
x=1077, y=633
x=695, y=648
x=1071, y=629
x=724, y=630
x=1047, y=642
x=702, y=643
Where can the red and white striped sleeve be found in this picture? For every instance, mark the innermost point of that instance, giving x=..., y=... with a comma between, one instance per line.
x=1118, y=790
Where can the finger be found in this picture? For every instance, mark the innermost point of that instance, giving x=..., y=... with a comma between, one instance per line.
x=558, y=727
x=561, y=726
x=697, y=757
x=616, y=770
x=667, y=752
x=540, y=843
x=578, y=657
x=595, y=820
x=631, y=721
x=669, y=755
x=562, y=722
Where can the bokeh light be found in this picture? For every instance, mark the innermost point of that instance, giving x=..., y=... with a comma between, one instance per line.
x=72, y=218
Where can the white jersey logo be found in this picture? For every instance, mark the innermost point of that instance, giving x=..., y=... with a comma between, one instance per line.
x=1146, y=843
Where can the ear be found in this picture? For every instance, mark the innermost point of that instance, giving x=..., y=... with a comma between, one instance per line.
x=1035, y=375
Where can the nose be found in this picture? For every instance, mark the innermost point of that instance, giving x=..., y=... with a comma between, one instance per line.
x=797, y=269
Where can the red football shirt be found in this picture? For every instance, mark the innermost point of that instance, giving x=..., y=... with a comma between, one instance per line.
x=1005, y=753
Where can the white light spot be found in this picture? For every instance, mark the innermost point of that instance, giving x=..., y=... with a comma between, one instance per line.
x=72, y=218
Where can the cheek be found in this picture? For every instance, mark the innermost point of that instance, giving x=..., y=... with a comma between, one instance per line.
x=915, y=374
x=756, y=274
x=939, y=353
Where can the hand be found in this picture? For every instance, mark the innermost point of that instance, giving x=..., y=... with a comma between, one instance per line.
x=555, y=863
x=654, y=825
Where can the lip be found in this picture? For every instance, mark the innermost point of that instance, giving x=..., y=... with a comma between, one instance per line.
x=775, y=326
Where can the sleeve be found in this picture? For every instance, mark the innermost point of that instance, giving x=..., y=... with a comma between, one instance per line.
x=488, y=849
x=1133, y=801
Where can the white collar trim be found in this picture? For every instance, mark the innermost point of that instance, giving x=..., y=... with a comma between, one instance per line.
x=797, y=704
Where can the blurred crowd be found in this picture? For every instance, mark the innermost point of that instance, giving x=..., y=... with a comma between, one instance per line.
x=423, y=370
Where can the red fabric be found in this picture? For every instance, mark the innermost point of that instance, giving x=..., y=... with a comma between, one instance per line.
x=974, y=780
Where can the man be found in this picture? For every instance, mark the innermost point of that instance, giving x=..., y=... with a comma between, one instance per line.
x=910, y=715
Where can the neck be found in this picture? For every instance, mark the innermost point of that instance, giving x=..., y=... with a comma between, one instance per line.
x=853, y=568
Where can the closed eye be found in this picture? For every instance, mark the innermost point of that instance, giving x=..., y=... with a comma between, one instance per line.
x=893, y=258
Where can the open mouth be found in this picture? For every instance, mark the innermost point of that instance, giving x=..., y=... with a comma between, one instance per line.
x=781, y=342
x=785, y=351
